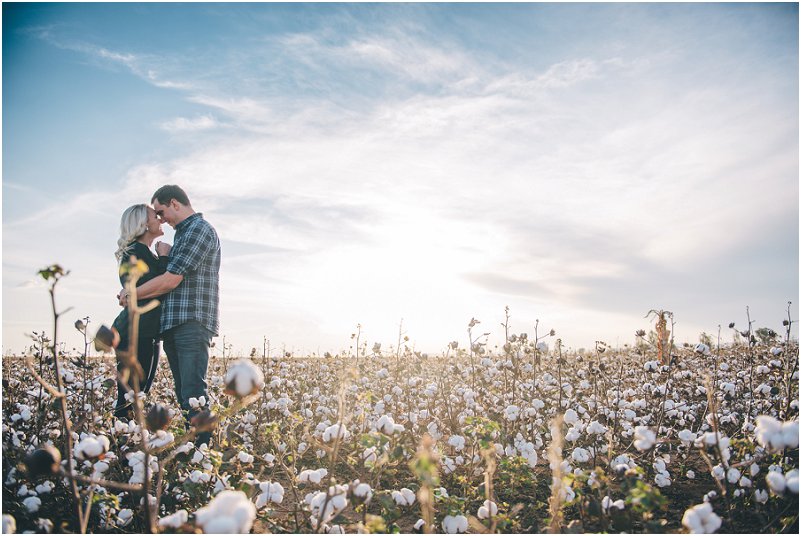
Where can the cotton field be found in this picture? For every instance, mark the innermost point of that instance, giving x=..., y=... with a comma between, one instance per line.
x=513, y=439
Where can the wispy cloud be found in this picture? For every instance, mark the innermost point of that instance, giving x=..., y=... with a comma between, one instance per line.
x=410, y=57
x=245, y=110
x=183, y=124
x=136, y=64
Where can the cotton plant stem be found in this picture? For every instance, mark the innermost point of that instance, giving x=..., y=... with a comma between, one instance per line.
x=334, y=453
x=42, y=382
x=134, y=311
x=88, y=511
x=105, y=483
x=555, y=459
x=488, y=487
x=63, y=405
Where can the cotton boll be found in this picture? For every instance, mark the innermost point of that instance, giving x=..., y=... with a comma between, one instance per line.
x=488, y=509
x=718, y=472
x=662, y=479
x=363, y=491
x=687, y=437
x=733, y=475
x=314, y=477
x=32, y=504
x=573, y=434
x=270, y=492
x=45, y=487
x=369, y=456
x=580, y=455
x=404, y=497
x=644, y=438
x=457, y=442
x=701, y=519
x=710, y=496
x=790, y=434
x=230, y=512
x=91, y=447
x=511, y=413
x=776, y=482
x=607, y=504
x=196, y=403
x=596, y=428
x=571, y=417
x=136, y=460
x=387, y=426
x=762, y=389
x=326, y=509
x=454, y=524
x=175, y=520
x=197, y=477
x=120, y=427
x=243, y=378
x=9, y=524
x=566, y=493
x=160, y=438
x=728, y=388
x=334, y=431
x=769, y=432
x=125, y=516
x=791, y=481
x=448, y=465
x=197, y=457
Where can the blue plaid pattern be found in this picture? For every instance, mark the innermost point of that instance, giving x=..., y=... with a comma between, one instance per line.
x=196, y=256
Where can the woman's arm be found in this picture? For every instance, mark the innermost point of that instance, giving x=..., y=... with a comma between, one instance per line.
x=155, y=287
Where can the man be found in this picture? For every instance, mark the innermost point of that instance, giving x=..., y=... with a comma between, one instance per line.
x=190, y=312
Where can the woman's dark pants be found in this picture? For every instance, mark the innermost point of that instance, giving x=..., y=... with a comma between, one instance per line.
x=148, y=354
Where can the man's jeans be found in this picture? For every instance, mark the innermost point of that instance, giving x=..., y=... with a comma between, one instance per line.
x=187, y=348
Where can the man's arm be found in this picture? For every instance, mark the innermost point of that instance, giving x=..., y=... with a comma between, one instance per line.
x=155, y=287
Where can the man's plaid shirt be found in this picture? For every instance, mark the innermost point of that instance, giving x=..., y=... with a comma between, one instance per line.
x=196, y=256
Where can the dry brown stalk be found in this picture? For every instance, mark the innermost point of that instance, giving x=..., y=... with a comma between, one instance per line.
x=555, y=459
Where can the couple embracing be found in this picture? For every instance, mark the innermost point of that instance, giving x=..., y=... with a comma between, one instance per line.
x=184, y=277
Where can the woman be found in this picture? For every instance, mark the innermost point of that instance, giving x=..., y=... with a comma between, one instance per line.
x=139, y=226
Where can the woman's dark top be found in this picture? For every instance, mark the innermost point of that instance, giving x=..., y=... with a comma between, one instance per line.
x=150, y=322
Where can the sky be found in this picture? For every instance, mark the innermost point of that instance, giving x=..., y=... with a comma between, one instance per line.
x=409, y=167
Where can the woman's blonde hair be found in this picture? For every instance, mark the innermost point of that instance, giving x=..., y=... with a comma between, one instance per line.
x=133, y=224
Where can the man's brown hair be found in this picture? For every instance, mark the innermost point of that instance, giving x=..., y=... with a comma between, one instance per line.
x=167, y=193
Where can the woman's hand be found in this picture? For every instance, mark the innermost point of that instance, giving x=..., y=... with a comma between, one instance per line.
x=163, y=249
